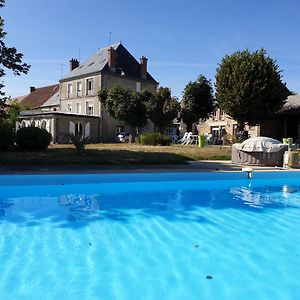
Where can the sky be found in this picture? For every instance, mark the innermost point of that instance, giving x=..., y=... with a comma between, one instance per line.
x=181, y=39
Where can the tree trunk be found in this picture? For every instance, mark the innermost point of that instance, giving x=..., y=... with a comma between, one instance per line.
x=195, y=129
x=189, y=127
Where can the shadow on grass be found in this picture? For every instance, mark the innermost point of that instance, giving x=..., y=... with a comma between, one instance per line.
x=90, y=156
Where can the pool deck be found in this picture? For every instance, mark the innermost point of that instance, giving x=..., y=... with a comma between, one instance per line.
x=193, y=166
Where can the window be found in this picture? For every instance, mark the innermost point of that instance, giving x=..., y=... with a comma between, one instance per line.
x=44, y=124
x=89, y=87
x=69, y=107
x=138, y=87
x=169, y=131
x=70, y=90
x=79, y=129
x=78, y=107
x=89, y=109
x=222, y=113
x=215, y=131
x=120, y=128
x=215, y=115
x=78, y=89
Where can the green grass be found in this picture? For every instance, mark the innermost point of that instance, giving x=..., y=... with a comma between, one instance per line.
x=115, y=154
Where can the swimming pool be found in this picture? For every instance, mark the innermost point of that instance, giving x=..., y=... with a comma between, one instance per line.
x=150, y=236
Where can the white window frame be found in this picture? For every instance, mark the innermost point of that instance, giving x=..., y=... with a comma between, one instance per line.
x=78, y=107
x=77, y=127
x=88, y=105
x=70, y=90
x=215, y=114
x=90, y=92
x=69, y=105
x=79, y=91
x=222, y=115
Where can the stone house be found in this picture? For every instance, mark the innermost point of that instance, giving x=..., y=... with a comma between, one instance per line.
x=217, y=126
x=76, y=107
x=285, y=123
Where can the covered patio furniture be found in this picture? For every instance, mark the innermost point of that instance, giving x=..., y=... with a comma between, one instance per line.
x=261, y=151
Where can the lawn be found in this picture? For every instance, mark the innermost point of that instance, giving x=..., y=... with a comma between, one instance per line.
x=116, y=154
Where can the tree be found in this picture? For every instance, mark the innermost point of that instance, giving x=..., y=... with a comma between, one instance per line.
x=10, y=59
x=197, y=101
x=13, y=113
x=162, y=108
x=249, y=87
x=124, y=105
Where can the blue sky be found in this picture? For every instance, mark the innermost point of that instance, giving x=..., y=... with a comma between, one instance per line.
x=181, y=39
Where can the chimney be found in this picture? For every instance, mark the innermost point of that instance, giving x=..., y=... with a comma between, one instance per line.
x=32, y=89
x=112, y=59
x=143, y=67
x=74, y=63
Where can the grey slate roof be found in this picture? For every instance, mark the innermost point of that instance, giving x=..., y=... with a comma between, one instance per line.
x=292, y=104
x=99, y=62
x=53, y=101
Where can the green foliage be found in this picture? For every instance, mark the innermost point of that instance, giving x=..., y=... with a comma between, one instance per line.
x=124, y=105
x=134, y=108
x=79, y=141
x=7, y=136
x=249, y=86
x=33, y=139
x=162, y=108
x=10, y=59
x=154, y=139
x=197, y=101
x=13, y=113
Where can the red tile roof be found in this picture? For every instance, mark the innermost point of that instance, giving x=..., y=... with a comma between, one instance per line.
x=40, y=96
x=20, y=98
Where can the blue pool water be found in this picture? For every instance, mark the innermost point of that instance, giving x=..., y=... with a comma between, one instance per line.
x=150, y=236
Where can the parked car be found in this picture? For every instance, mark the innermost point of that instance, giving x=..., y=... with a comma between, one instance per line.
x=123, y=137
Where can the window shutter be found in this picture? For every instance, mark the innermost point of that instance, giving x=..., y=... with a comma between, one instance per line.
x=87, y=130
x=48, y=125
x=71, y=127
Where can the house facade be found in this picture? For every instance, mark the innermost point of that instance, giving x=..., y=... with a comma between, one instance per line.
x=77, y=105
x=285, y=123
x=217, y=126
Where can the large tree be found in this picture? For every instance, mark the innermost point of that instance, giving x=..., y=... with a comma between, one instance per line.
x=124, y=105
x=249, y=86
x=162, y=108
x=197, y=101
x=10, y=59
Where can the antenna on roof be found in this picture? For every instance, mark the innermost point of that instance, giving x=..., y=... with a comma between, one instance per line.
x=61, y=70
x=109, y=38
x=79, y=55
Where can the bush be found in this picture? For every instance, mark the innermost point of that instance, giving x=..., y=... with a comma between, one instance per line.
x=79, y=141
x=155, y=139
x=33, y=139
x=7, y=137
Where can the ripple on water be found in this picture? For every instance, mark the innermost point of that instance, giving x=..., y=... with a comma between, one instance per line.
x=239, y=243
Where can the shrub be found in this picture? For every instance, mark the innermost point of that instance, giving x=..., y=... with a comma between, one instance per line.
x=33, y=139
x=79, y=141
x=7, y=137
x=155, y=139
